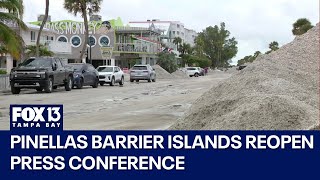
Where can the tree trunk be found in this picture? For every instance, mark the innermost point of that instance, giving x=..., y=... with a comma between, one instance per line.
x=41, y=28
x=86, y=33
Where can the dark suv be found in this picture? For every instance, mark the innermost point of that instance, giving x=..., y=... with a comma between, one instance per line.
x=43, y=73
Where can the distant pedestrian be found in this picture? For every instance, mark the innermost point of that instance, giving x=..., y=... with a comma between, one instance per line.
x=205, y=71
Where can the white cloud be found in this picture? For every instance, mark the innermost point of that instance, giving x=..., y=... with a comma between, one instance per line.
x=254, y=23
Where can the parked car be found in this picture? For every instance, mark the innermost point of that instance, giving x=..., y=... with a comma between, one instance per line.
x=142, y=72
x=201, y=71
x=43, y=73
x=110, y=75
x=85, y=75
x=241, y=67
x=193, y=71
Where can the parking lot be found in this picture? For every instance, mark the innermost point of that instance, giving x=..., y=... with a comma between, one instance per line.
x=135, y=106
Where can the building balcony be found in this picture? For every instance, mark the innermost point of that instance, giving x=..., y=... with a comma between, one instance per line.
x=58, y=47
x=136, y=30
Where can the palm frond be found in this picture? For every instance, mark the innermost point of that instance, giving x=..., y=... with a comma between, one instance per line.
x=13, y=6
x=12, y=18
x=11, y=41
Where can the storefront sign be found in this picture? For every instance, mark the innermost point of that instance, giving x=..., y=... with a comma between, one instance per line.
x=73, y=28
x=106, y=52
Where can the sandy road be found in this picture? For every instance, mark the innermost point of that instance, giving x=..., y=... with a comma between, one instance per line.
x=136, y=106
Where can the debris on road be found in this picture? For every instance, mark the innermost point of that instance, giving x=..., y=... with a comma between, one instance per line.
x=278, y=91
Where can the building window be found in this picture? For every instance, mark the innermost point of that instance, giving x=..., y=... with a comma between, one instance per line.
x=178, y=26
x=62, y=39
x=33, y=36
x=92, y=41
x=173, y=32
x=178, y=32
x=104, y=41
x=76, y=41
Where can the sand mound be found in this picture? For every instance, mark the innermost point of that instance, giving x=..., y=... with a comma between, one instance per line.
x=278, y=91
x=232, y=70
x=180, y=74
x=162, y=73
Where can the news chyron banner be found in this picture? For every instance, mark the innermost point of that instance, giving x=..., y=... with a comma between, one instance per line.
x=38, y=147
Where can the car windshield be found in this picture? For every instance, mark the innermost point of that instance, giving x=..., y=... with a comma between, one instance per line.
x=105, y=69
x=191, y=69
x=77, y=67
x=37, y=63
x=139, y=68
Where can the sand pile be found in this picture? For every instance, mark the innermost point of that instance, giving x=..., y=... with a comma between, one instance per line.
x=180, y=74
x=162, y=73
x=232, y=70
x=278, y=91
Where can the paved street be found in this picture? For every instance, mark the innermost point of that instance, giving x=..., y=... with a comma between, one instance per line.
x=143, y=106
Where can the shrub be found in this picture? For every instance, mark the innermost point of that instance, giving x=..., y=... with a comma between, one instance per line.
x=167, y=61
x=3, y=72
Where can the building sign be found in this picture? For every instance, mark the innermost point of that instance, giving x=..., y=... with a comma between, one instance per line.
x=106, y=52
x=70, y=27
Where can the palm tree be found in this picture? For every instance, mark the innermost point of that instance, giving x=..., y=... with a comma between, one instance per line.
x=11, y=12
x=41, y=28
x=42, y=50
x=177, y=41
x=274, y=45
x=301, y=26
x=81, y=6
x=257, y=53
x=185, y=48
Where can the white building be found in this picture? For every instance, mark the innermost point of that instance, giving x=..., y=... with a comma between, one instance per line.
x=29, y=36
x=170, y=30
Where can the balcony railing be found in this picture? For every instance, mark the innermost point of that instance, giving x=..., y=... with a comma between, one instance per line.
x=57, y=47
x=137, y=29
x=137, y=48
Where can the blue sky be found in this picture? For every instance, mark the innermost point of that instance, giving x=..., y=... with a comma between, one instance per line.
x=254, y=23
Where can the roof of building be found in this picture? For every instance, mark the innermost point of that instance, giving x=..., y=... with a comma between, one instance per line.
x=36, y=27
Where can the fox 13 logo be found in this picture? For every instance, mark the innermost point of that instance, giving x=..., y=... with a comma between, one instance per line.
x=36, y=117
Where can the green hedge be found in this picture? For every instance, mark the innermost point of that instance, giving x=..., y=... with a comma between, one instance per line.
x=3, y=72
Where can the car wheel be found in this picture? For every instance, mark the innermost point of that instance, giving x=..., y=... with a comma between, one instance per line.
x=15, y=90
x=131, y=80
x=112, y=81
x=196, y=75
x=122, y=81
x=137, y=80
x=102, y=84
x=49, y=86
x=55, y=87
x=96, y=83
x=39, y=89
x=68, y=85
x=154, y=79
x=149, y=80
x=80, y=85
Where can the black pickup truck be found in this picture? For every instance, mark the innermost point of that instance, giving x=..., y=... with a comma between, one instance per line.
x=43, y=73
